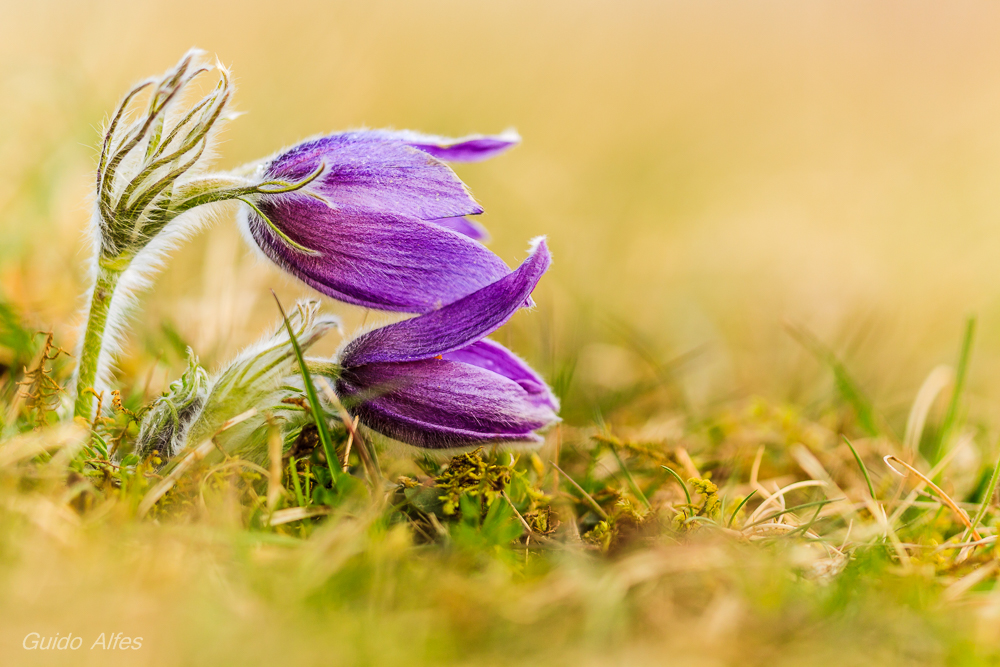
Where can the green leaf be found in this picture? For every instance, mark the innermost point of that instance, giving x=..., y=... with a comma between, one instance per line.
x=317, y=409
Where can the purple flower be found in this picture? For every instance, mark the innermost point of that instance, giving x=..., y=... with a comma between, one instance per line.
x=434, y=381
x=375, y=218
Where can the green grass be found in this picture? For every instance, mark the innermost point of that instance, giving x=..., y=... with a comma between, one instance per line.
x=498, y=557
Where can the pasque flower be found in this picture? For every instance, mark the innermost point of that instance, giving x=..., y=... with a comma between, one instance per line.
x=375, y=218
x=435, y=381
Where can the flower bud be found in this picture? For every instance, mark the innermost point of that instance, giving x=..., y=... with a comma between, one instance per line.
x=149, y=161
x=165, y=425
x=263, y=377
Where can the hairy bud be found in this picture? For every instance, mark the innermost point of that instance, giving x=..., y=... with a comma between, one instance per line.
x=263, y=377
x=165, y=425
x=145, y=176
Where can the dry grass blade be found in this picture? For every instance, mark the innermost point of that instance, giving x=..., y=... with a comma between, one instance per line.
x=818, y=503
x=371, y=465
x=814, y=468
x=33, y=443
x=963, y=585
x=590, y=500
x=768, y=529
x=537, y=536
x=941, y=465
x=945, y=498
x=936, y=381
x=350, y=441
x=297, y=514
x=755, y=472
x=685, y=460
x=275, y=444
x=780, y=494
x=961, y=545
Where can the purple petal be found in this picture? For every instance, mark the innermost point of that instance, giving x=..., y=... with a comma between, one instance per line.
x=454, y=326
x=471, y=148
x=494, y=357
x=440, y=404
x=376, y=171
x=373, y=259
x=463, y=225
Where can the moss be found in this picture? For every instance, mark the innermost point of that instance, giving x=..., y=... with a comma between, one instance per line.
x=709, y=508
x=470, y=474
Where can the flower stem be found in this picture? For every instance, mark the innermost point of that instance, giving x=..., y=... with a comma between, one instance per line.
x=93, y=340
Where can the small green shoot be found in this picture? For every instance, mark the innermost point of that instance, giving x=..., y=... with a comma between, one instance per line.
x=294, y=474
x=861, y=464
x=673, y=473
x=736, y=511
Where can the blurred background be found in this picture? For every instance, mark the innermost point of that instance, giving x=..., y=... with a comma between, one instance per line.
x=706, y=172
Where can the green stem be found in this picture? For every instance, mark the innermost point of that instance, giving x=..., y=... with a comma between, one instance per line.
x=93, y=340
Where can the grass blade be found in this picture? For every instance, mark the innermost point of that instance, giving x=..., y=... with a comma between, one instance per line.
x=628, y=475
x=803, y=506
x=589, y=498
x=945, y=498
x=848, y=389
x=679, y=481
x=293, y=469
x=736, y=511
x=987, y=497
x=951, y=416
x=314, y=404
x=861, y=464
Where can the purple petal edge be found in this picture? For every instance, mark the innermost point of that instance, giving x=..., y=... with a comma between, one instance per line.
x=494, y=357
x=473, y=148
x=470, y=148
x=463, y=225
x=454, y=326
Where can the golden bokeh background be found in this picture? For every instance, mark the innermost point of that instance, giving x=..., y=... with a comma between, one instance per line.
x=706, y=172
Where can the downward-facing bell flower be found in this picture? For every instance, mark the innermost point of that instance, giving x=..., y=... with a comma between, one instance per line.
x=435, y=382
x=375, y=218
